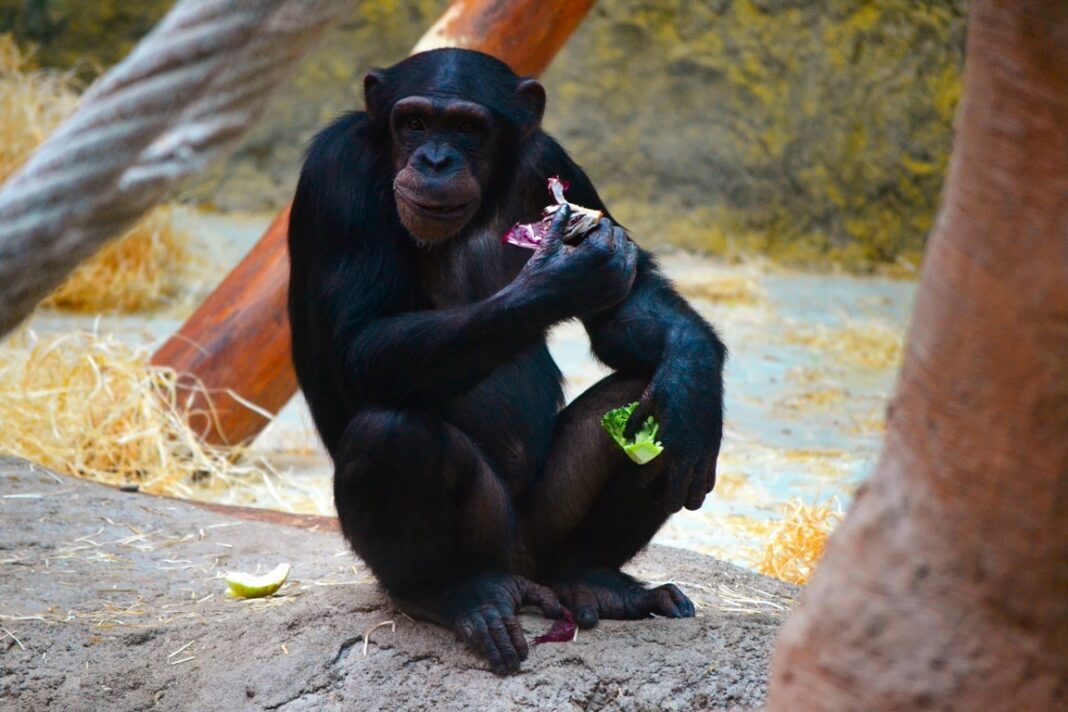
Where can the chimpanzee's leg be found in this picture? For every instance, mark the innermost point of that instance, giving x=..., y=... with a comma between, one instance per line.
x=423, y=508
x=591, y=510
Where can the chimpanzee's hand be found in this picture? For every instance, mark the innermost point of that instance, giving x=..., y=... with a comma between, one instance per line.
x=691, y=428
x=574, y=279
x=487, y=622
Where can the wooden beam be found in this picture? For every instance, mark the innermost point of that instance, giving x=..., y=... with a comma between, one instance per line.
x=237, y=342
x=526, y=35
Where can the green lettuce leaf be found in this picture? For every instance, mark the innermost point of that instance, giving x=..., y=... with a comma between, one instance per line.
x=644, y=446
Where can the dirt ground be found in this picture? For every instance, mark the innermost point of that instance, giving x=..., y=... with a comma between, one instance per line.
x=112, y=600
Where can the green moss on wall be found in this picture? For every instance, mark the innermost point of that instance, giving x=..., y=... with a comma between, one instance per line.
x=808, y=129
x=82, y=33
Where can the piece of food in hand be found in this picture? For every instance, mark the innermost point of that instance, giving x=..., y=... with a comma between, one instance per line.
x=530, y=235
x=562, y=631
x=644, y=447
x=242, y=585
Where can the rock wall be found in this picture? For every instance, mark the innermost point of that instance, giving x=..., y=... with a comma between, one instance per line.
x=804, y=129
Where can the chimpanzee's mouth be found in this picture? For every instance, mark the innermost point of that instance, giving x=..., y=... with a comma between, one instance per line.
x=436, y=212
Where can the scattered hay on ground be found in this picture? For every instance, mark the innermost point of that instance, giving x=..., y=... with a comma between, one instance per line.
x=732, y=485
x=142, y=269
x=869, y=344
x=797, y=543
x=723, y=289
x=872, y=423
x=814, y=399
x=92, y=406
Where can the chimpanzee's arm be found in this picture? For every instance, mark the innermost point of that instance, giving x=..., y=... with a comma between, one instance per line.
x=352, y=282
x=426, y=357
x=352, y=293
x=656, y=334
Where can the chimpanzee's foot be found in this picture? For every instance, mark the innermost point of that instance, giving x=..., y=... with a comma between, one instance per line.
x=593, y=594
x=482, y=611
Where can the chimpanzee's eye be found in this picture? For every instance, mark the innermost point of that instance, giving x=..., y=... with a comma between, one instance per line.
x=415, y=124
x=465, y=127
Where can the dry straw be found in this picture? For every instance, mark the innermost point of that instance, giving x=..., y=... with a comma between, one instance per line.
x=143, y=268
x=797, y=544
x=32, y=104
x=868, y=344
x=92, y=406
x=736, y=289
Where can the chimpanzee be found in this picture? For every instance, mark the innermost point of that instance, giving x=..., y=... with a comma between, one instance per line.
x=419, y=343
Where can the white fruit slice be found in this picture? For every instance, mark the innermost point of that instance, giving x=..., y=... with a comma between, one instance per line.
x=244, y=585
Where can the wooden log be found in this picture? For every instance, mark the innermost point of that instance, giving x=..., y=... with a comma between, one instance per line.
x=525, y=34
x=237, y=341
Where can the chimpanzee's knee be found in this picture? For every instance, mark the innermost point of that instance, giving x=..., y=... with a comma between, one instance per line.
x=416, y=499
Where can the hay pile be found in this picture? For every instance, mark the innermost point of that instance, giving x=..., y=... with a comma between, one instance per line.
x=92, y=406
x=732, y=289
x=797, y=544
x=142, y=269
x=32, y=104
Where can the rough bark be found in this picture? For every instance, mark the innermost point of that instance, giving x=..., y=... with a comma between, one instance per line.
x=947, y=586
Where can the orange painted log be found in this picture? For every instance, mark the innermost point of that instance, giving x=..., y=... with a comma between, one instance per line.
x=238, y=340
x=526, y=34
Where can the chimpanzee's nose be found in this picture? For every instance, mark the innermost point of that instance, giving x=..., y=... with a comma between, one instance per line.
x=435, y=159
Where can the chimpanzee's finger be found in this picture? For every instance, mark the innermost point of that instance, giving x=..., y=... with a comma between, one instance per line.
x=473, y=629
x=584, y=605
x=688, y=610
x=698, y=489
x=616, y=238
x=555, y=234
x=594, y=234
x=519, y=639
x=710, y=471
x=599, y=238
x=631, y=246
x=534, y=594
x=665, y=604
x=640, y=414
x=488, y=647
x=679, y=479
x=501, y=639
x=672, y=602
x=465, y=630
x=630, y=254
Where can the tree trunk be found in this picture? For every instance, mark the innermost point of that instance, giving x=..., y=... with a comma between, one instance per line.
x=947, y=585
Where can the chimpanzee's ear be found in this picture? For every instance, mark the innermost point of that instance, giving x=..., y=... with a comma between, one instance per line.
x=532, y=95
x=373, y=85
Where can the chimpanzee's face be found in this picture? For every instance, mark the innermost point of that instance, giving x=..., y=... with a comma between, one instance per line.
x=441, y=155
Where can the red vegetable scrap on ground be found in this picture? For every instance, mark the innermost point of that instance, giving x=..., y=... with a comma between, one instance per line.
x=563, y=630
x=530, y=235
